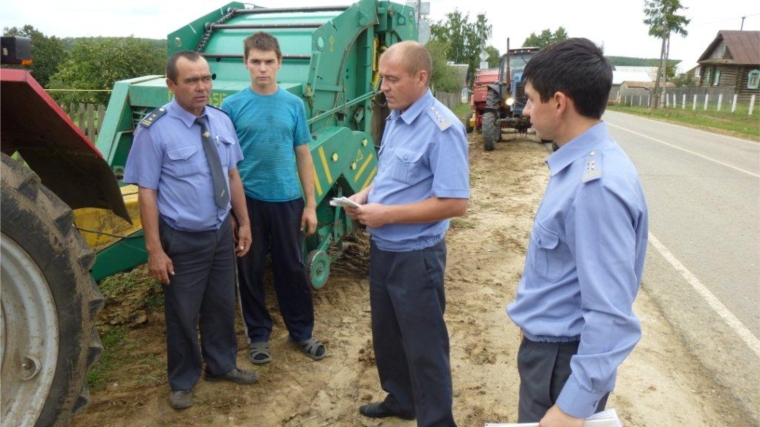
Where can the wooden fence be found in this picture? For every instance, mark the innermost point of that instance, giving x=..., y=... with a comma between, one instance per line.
x=450, y=100
x=87, y=117
x=690, y=98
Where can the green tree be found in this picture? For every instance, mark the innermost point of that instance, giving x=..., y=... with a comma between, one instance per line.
x=47, y=52
x=493, y=57
x=465, y=39
x=96, y=63
x=662, y=18
x=545, y=38
x=445, y=78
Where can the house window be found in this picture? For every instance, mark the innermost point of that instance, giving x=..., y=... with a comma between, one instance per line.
x=707, y=77
x=753, y=79
x=716, y=81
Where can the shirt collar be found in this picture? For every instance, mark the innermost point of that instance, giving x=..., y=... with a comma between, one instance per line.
x=185, y=116
x=578, y=147
x=414, y=110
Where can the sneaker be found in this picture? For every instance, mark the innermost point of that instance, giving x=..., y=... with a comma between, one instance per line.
x=181, y=399
x=237, y=376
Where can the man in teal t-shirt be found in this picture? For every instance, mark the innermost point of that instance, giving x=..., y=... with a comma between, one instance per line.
x=271, y=126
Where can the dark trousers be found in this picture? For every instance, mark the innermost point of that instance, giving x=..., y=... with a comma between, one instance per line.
x=276, y=227
x=201, y=294
x=409, y=334
x=544, y=368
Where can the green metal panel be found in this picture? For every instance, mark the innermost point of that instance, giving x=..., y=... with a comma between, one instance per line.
x=121, y=256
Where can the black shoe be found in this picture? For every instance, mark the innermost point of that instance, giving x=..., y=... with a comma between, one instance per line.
x=236, y=376
x=181, y=399
x=379, y=410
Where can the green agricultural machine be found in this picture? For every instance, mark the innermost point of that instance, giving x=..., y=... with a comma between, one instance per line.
x=330, y=57
x=60, y=191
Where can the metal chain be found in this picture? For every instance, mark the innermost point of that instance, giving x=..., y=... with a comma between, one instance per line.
x=209, y=29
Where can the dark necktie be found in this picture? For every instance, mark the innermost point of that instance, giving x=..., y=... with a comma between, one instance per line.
x=221, y=195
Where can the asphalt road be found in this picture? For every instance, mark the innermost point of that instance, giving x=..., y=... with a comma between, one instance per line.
x=703, y=261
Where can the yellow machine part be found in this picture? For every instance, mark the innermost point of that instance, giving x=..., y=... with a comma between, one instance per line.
x=101, y=228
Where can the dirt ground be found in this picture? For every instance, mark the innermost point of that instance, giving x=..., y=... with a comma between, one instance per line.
x=660, y=384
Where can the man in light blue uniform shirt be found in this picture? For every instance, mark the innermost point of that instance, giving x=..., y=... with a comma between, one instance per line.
x=422, y=181
x=184, y=209
x=587, y=248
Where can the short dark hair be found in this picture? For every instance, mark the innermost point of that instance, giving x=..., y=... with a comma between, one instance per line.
x=576, y=67
x=262, y=41
x=171, y=64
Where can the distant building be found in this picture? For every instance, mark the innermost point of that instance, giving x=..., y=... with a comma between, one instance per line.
x=732, y=60
x=627, y=74
x=651, y=72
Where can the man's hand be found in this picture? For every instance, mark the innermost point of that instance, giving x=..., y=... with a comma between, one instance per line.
x=160, y=267
x=360, y=198
x=309, y=220
x=373, y=215
x=556, y=418
x=243, y=240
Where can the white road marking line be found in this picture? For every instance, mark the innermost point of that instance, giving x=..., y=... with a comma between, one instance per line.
x=735, y=324
x=688, y=151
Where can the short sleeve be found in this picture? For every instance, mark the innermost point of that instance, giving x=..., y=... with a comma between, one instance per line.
x=301, y=135
x=449, y=162
x=144, y=161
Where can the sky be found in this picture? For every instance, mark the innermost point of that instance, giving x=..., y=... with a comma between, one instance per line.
x=617, y=25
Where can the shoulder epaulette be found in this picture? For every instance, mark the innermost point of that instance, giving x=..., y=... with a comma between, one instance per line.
x=442, y=122
x=592, y=167
x=217, y=108
x=154, y=115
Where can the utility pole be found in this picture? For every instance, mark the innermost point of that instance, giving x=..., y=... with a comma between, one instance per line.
x=742, y=27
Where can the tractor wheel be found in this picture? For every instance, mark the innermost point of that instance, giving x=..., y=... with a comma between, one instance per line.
x=49, y=304
x=490, y=131
x=467, y=126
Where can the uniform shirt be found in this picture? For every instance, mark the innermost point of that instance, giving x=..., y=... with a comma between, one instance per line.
x=167, y=155
x=423, y=155
x=269, y=127
x=584, y=263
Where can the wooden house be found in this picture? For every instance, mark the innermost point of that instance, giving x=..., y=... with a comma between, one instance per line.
x=732, y=60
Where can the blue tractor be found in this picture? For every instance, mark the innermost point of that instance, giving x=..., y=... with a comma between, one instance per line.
x=506, y=97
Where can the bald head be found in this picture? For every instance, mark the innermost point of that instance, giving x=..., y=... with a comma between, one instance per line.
x=405, y=70
x=412, y=56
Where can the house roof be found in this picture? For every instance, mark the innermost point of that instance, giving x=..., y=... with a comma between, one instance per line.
x=651, y=71
x=743, y=46
x=619, y=77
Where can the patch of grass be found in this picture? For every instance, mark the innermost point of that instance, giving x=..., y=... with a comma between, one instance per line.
x=462, y=110
x=461, y=223
x=738, y=123
x=486, y=205
x=120, y=282
x=113, y=342
x=154, y=301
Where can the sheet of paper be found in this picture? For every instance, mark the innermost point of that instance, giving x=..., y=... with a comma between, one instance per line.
x=344, y=202
x=607, y=418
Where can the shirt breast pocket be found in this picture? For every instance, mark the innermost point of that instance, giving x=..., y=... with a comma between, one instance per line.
x=407, y=165
x=184, y=161
x=225, y=151
x=549, y=259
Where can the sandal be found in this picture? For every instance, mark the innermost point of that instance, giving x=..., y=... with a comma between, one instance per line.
x=312, y=348
x=259, y=353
